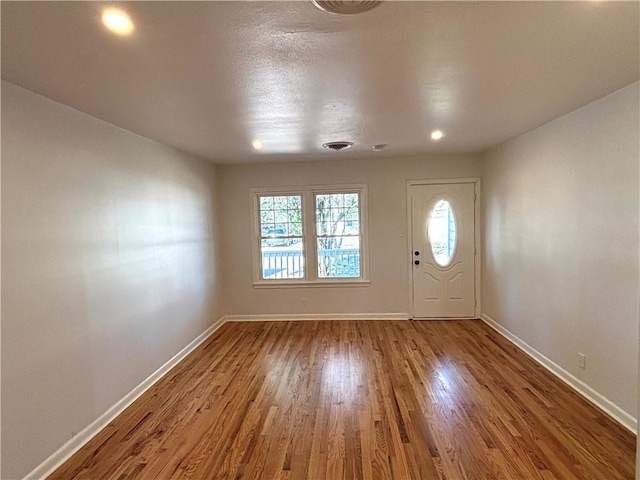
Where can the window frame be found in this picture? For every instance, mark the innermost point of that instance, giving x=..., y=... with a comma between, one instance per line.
x=309, y=236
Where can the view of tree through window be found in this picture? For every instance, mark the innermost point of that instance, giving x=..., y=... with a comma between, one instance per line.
x=317, y=226
x=281, y=250
x=338, y=235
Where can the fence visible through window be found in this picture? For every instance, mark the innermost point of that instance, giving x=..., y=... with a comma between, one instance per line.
x=318, y=228
x=281, y=236
x=282, y=264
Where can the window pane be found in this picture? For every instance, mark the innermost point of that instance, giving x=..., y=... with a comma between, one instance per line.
x=352, y=227
x=442, y=233
x=322, y=199
x=338, y=232
x=295, y=229
x=322, y=228
x=281, y=247
x=282, y=216
x=266, y=229
x=282, y=261
x=266, y=203
x=280, y=202
x=350, y=199
x=337, y=214
x=295, y=201
x=339, y=257
x=267, y=216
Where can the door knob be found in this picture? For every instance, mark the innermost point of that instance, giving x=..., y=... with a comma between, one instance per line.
x=416, y=253
x=417, y=262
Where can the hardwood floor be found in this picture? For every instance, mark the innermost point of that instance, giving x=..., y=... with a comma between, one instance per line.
x=358, y=400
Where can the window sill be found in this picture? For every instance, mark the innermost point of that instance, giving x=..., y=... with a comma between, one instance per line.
x=313, y=284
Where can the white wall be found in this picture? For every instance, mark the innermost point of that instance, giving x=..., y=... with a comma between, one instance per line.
x=560, y=266
x=110, y=254
x=386, y=180
x=108, y=268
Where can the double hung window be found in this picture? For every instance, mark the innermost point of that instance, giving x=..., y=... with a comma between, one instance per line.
x=310, y=235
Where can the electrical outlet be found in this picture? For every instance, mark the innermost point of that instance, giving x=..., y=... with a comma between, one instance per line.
x=582, y=360
x=303, y=301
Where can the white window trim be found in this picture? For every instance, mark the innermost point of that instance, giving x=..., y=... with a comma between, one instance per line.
x=310, y=279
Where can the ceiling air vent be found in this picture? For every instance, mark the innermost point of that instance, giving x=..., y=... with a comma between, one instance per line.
x=337, y=146
x=345, y=7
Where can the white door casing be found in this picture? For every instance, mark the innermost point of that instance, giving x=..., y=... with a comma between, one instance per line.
x=449, y=290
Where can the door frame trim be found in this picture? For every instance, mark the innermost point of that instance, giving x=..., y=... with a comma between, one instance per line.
x=476, y=181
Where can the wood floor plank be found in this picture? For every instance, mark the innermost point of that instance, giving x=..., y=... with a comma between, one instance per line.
x=362, y=400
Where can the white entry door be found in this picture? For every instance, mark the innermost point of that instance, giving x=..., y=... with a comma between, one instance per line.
x=443, y=250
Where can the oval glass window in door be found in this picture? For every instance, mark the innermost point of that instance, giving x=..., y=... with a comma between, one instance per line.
x=442, y=233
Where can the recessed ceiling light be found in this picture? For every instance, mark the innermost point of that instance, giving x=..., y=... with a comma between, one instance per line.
x=117, y=21
x=379, y=147
x=257, y=144
x=437, y=135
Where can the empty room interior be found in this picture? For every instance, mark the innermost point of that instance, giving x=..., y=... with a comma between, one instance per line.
x=320, y=240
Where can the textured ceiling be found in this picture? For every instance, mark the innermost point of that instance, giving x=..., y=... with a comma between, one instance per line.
x=209, y=78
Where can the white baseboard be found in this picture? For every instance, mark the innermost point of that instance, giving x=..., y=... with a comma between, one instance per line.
x=61, y=455
x=578, y=385
x=315, y=316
